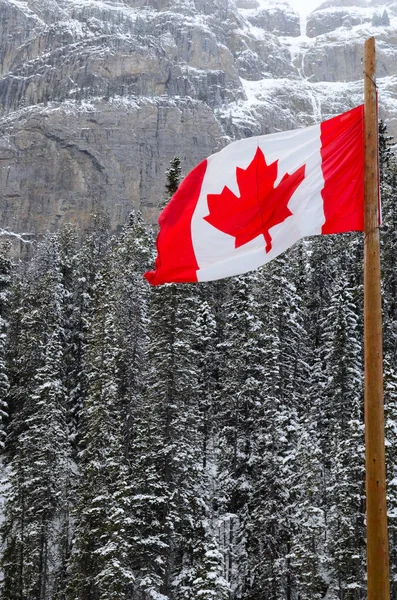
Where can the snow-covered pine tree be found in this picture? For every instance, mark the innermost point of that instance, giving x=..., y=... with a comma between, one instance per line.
x=36, y=497
x=5, y=283
x=390, y=378
x=173, y=175
x=71, y=272
x=205, y=347
x=307, y=519
x=80, y=266
x=133, y=256
x=99, y=566
x=175, y=543
x=175, y=551
x=388, y=170
x=239, y=395
x=70, y=255
x=345, y=460
x=309, y=531
x=337, y=398
x=201, y=570
x=277, y=426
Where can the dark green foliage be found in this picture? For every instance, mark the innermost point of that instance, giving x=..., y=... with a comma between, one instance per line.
x=173, y=176
x=36, y=502
x=98, y=567
x=5, y=284
x=388, y=166
x=133, y=256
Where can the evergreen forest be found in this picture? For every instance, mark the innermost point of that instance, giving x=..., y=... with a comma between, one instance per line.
x=189, y=442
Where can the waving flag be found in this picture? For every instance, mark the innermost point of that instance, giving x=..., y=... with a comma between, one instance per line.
x=248, y=203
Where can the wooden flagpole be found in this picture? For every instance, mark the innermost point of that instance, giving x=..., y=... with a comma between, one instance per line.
x=377, y=537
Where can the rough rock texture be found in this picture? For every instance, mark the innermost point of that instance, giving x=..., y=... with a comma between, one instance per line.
x=64, y=162
x=342, y=60
x=279, y=19
x=327, y=20
x=97, y=96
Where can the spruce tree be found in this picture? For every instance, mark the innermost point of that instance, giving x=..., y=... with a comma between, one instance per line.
x=5, y=283
x=275, y=494
x=336, y=395
x=99, y=566
x=345, y=450
x=36, y=499
x=388, y=170
x=307, y=523
x=175, y=544
x=173, y=175
x=175, y=549
x=81, y=263
x=133, y=255
x=240, y=392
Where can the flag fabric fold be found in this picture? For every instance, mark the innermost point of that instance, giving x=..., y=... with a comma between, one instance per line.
x=248, y=203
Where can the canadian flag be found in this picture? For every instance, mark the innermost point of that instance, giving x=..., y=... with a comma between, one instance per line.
x=245, y=205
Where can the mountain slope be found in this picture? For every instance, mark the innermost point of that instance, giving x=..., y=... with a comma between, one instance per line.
x=96, y=97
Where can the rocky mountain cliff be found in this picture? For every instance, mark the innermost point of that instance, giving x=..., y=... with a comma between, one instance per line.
x=97, y=96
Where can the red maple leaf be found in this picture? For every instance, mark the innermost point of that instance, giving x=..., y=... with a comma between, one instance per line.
x=260, y=205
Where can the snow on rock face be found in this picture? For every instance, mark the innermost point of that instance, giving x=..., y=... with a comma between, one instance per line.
x=97, y=96
x=274, y=17
x=327, y=20
x=331, y=16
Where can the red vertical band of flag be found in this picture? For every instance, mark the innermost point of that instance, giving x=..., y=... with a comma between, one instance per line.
x=342, y=157
x=175, y=249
